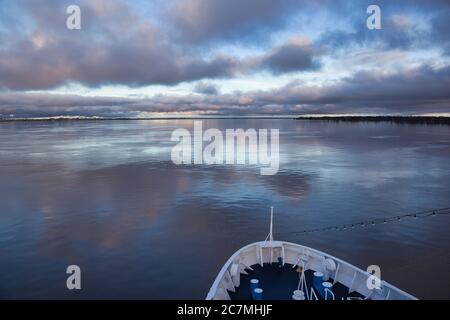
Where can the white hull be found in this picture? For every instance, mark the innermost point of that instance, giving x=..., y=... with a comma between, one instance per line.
x=262, y=252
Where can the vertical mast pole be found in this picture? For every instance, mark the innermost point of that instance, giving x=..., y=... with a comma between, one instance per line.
x=271, y=224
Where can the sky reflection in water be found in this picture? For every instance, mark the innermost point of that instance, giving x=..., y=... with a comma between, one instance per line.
x=105, y=196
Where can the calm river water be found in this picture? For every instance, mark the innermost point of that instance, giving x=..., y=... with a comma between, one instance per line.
x=105, y=196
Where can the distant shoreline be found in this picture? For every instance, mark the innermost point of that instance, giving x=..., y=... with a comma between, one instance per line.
x=429, y=120
x=68, y=119
x=395, y=119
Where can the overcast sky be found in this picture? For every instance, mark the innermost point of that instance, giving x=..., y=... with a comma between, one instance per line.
x=223, y=57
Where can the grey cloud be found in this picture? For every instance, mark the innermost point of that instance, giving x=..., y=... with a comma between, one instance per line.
x=204, y=20
x=206, y=88
x=295, y=55
x=400, y=27
x=441, y=29
x=119, y=48
x=412, y=91
x=392, y=35
x=422, y=89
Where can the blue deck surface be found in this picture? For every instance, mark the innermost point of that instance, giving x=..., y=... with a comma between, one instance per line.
x=280, y=283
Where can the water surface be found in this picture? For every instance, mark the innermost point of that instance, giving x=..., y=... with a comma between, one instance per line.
x=105, y=196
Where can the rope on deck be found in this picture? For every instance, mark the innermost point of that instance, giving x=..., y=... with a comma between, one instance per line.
x=378, y=221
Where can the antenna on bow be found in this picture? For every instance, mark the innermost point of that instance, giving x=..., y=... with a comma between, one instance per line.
x=270, y=235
